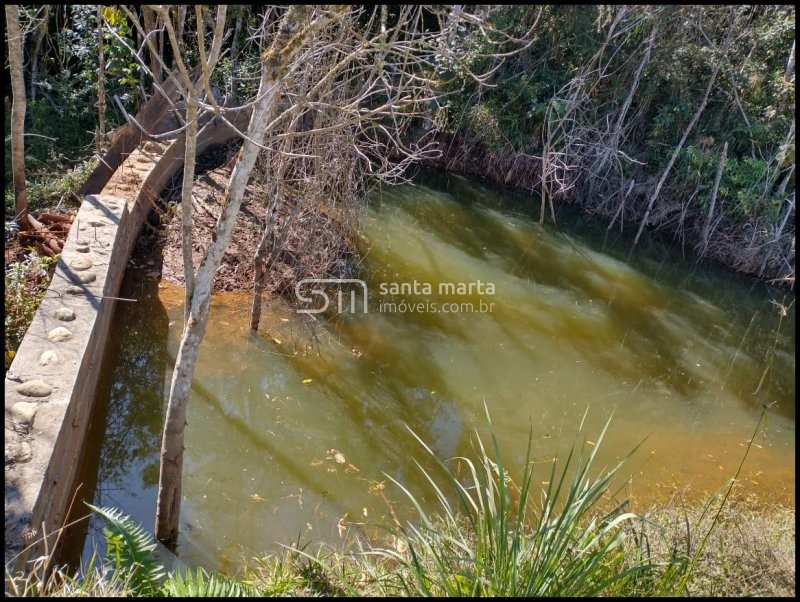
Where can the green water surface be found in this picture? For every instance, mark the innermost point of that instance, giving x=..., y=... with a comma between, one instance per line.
x=293, y=432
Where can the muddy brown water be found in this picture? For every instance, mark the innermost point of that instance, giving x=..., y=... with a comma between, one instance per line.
x=294, y=432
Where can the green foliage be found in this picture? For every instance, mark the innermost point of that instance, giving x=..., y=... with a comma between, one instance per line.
x=130, y=552
x=118, y=34
x=25, y=285
x=62, y=118
x=594, y=52
x=496, y=541
x=744, y=190
x=205, y=585
x=131, y=557
x=492, y=536
x=45, y=191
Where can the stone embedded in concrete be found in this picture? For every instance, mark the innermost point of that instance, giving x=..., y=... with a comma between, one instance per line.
x=60, y=334
x=99, y=223
x=65, y=314
x=76, y=290
x=80, y=264
x=23, y=412
x=19, y=453
x=84, y=277
x=48, y=357
x=82, y=249
x=22, y=452
x=35, y=388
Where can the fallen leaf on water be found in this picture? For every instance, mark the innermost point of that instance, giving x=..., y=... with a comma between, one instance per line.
x=284, y=319
x=364, y=509
x=350, y=468
x=335, y=454
x=590, y=442
x=331, y=469
x=341, y=525
x=256, y=498
x=276, y=341
x=306, y=381
x=376, y=488
x=316, y=463
x=309, y=527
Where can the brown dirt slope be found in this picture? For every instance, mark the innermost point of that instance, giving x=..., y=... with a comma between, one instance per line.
x=317, y=246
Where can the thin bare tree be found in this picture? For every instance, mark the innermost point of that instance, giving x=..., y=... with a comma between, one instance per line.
x=15, y=39
x=100, y=138
x=297, y=26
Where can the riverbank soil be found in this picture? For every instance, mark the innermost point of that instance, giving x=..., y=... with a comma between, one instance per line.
x=298, y=258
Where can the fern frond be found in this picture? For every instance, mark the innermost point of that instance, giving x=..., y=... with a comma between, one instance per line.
x=206, y=585
x=131, y=551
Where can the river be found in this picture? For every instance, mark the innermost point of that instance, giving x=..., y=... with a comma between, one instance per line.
x=294, y=432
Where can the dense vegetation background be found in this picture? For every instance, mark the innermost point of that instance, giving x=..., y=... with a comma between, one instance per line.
x=596, y=110
x=608, y=99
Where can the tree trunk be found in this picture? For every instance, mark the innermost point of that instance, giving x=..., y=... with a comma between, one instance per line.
x=293, y=32
x=150, y=24
x=260, y=264
x=40, y=35
x=776, y=241
x=181, y=12
x=235, y=51
x=186, y=198
x=713, y=202
x=17, y=115
x=101, y=84
x=612, y=146
x=264, y=263
x=169, y=487
x=677, y=151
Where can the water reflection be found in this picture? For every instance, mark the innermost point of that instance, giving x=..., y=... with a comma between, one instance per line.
x=120, y=467
x=294, y=432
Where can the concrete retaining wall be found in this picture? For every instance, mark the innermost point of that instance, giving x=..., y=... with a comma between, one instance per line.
x=50, y=386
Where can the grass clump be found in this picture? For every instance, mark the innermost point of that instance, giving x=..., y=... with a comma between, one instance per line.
x=750, y=551
x=497, y=539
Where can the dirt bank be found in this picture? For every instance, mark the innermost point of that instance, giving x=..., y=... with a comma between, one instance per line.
x=317, y=245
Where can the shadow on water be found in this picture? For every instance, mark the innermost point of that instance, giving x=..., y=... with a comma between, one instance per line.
x=293, y=431
x=120, y=465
